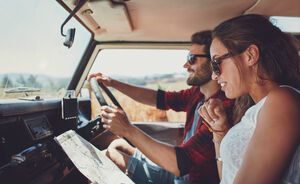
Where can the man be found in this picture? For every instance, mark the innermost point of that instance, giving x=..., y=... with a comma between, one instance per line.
x=196, y=155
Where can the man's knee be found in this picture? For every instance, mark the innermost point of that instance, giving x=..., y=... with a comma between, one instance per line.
x=121, y=145
x=112, y=153
x=119, y=158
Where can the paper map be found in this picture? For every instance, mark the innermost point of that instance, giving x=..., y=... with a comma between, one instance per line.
x=90, y=161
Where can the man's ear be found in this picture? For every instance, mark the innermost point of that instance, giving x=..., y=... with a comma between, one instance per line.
x=252, y=53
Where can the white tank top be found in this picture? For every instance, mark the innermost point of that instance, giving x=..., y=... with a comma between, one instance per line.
x=234, y=144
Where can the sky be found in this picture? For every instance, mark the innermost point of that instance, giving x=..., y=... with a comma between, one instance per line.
x=31, y=42
x=139, y=62
x=287, y=24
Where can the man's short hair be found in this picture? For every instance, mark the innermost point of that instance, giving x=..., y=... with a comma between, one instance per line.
x=203, y=38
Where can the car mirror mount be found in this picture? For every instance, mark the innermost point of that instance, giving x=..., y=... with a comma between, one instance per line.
x=71, y=32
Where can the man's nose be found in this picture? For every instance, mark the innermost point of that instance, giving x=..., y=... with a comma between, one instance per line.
x=186, y=64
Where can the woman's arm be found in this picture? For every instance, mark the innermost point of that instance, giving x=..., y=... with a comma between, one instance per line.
x=217, y=141
x=274, y=141
x=214, y=114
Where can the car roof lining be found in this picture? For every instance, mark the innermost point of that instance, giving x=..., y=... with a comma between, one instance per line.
x=168, y=20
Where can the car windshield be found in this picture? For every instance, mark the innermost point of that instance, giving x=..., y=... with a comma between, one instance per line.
x=34, y=61
x=150, y=68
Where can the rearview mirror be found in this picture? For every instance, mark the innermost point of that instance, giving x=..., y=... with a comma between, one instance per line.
x=69, y=39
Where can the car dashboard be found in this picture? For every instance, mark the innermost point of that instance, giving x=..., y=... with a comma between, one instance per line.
x=28, y=151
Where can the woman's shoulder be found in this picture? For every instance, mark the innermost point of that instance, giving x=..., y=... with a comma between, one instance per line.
x=285, y=95
x=282, y=102
x=280, y=113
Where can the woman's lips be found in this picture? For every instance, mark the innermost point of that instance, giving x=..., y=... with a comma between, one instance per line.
x=222, y=84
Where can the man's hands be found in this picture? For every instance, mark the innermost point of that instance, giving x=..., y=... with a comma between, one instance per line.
x=115, y=120
x=101, y=78
x=214, y=114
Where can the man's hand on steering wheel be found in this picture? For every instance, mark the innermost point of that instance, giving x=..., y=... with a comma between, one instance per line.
x=101, y=79
x=95, y=86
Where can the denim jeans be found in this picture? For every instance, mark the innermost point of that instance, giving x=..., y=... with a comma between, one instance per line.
x=142, y=170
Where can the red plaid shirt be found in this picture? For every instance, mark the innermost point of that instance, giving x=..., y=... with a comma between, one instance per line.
x=199, y=149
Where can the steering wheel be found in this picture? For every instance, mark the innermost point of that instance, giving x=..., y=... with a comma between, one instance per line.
x=96, y=89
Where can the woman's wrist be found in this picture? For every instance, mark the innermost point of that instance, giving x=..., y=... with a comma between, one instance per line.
x=218, y=137
x=222, y=130
x=216, y=141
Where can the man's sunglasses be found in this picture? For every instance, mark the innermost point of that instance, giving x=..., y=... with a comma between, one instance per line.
x=216, y=62
x=191, y=58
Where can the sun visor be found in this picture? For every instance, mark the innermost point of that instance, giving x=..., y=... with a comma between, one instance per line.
x=110, y=17
x=104, y=16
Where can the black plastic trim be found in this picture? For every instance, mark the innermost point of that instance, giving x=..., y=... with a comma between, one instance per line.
x=19, y=107
x=82, y=64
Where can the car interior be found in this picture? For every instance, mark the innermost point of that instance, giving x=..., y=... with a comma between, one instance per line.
x=32, y=116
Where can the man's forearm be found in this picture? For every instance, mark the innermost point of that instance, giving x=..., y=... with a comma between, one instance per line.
x=140, y=94
x=162, y=154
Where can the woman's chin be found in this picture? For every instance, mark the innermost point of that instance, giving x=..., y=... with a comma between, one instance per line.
x=230, y=95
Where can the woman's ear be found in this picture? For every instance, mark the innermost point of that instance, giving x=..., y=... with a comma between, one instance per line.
x=252, y=53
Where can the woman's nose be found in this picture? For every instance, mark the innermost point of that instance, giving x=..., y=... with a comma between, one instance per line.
x=214, y=76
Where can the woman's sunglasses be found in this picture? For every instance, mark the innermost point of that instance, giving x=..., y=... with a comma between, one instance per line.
x=216, y=62
x=191, y=58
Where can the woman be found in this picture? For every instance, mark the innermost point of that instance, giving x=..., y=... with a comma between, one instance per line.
x=250, y=56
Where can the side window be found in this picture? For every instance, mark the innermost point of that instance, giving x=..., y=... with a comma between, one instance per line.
x=155, y=69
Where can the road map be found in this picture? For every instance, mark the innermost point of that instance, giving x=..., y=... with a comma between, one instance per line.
x=90, y=161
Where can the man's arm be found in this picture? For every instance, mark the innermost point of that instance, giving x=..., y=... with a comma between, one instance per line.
x=162, y=154
x=140, y=94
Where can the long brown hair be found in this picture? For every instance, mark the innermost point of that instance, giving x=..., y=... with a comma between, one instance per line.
x=278, y=56
x=241, y=105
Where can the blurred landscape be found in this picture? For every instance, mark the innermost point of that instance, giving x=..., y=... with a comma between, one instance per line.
x=140, y=112
x=56, y=87
x=13, y=80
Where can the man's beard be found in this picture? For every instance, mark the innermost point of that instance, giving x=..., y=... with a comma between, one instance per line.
x=202, y=76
